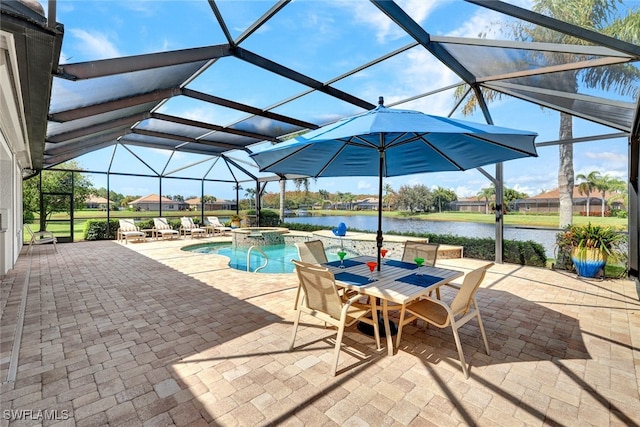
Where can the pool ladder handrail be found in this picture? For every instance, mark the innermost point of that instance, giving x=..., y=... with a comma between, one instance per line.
x=266, y=258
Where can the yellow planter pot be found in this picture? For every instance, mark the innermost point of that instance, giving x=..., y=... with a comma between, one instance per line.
x=588, y=261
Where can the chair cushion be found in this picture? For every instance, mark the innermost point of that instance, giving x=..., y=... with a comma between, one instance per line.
x=430, y=311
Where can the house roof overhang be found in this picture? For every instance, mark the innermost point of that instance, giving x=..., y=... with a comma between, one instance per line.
x=35, y=54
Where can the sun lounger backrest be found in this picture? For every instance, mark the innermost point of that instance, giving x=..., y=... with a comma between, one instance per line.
x=161, y=224
x=213, y=220
x=127, y=225
x=187, y=223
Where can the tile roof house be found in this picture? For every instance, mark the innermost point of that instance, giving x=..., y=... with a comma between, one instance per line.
x=151, y=202
x=549, y=201
x=97, y=202
x=470, y=204
x=368, y=204
x=220, y=204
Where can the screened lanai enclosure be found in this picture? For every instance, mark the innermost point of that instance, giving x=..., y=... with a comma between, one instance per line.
x=256, y=73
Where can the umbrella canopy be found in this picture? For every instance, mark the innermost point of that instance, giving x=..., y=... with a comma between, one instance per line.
x=391, y=142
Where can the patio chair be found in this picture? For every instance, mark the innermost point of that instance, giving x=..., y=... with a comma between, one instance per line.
x=421, y=249
x=322, y=300
x=462, y=308
x=161, y=228
x=41, y=238
x=187, y=226
x=216, y=226
x=129, y=231
x=311, y=252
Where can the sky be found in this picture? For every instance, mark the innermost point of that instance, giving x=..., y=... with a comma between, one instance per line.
x=106, y=29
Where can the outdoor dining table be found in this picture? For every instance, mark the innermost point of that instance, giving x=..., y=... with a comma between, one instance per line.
x=397, y=282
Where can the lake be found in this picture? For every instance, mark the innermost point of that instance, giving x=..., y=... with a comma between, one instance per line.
x=543, y=236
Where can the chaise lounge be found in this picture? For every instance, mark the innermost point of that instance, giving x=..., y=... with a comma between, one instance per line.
x=189, y=227
x=129, y=231
x=161, y=228
x=216, y=226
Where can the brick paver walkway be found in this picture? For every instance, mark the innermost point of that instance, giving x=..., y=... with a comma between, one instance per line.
x=146, y=334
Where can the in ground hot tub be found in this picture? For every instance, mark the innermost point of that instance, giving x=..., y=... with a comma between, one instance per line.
x=258, y=236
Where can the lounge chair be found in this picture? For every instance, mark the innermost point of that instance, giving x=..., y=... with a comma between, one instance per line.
x=216, y=226
x=322, y=300
x=130, y=231
x=462, y=308
x=187, y=226
x=162, y=229
x=41, y=238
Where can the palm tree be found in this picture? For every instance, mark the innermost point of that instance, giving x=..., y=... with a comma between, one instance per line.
x=324, y=195
x=388, y=192
x=597, y=15
x=339, y=196
x=348, y=197
x=620, y=193
x=588, y=184
x=486, y=194
x=250, y=193
x=606, y=183
x=443, y=196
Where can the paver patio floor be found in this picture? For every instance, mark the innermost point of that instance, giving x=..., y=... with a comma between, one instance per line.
x=146, y=334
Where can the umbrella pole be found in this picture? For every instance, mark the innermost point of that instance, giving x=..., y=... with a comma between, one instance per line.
x=379, y=233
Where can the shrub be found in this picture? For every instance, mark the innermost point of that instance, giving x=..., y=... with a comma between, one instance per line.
x=268, y=218
x=304, y=227
x=28, y=217
x=145, y=224
x=96, y=229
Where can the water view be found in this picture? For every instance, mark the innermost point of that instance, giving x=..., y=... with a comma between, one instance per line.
x=545, y=237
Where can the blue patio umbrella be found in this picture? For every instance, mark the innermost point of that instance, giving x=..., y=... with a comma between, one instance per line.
x=388, y=142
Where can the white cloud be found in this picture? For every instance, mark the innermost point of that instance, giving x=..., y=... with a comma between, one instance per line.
x=607, y=155
x=146, y=8
x=463, y=191
x=385, y=28
x=95, y=45
x=365, y=185
x=482, y=22
x=363, y=12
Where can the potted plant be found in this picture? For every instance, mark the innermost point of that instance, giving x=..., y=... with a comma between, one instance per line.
x=236, y=221
x=591, y=246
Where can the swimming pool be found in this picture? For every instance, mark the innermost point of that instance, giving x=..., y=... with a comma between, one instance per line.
x=280, y=256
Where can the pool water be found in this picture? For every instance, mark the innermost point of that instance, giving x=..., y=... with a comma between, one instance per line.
x=280, y=256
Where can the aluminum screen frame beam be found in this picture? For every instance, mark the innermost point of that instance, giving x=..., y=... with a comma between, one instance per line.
x=129, y=64
x=557, y=25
